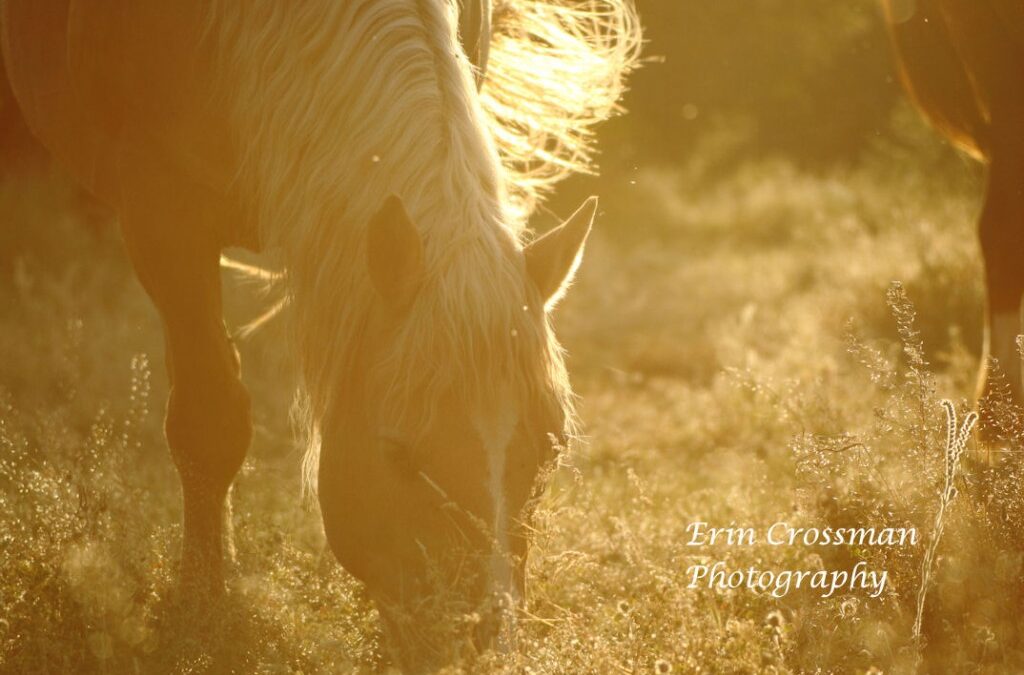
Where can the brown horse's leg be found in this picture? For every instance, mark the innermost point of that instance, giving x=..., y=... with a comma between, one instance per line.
x=1001, y=232
x=176, y=255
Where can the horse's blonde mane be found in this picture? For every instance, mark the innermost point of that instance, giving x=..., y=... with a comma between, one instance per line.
x=339, y=104
x=556, y=68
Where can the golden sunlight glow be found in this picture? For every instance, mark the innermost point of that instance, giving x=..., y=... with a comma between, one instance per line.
x=280, y=387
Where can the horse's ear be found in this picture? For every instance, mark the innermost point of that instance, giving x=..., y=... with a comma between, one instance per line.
x=551, y=261
x=394, y=253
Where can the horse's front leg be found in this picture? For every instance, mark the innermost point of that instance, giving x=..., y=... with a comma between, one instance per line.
x=208, y=425
x=1001, y=232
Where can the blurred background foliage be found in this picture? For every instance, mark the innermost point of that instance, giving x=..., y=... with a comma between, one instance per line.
x=754, y=88
x=809, y=79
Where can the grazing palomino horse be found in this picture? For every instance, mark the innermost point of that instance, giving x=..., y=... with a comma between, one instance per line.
x=963, y=63
x=350, y=136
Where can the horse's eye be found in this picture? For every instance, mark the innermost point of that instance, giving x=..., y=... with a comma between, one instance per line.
x=397, y=448
x=392, y=435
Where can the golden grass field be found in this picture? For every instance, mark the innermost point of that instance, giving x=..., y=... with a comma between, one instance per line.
x=741, y=358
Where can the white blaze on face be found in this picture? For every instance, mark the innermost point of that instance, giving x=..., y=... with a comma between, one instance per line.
x=496, y=426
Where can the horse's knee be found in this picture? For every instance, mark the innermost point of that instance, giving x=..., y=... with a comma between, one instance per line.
x=209, y=427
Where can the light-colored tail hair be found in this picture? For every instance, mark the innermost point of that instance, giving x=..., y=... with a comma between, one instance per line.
x=556, y=68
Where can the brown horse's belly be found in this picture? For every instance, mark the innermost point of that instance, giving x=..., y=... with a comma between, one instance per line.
x=117, y=86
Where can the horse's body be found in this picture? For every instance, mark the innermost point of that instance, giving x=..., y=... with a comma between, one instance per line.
x=433, y=385
x=963, y=63
x=103, y=88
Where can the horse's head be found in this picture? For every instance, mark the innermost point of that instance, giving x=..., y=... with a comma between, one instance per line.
x=432, y=454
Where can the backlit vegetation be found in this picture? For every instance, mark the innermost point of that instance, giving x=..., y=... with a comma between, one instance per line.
x=742, y=356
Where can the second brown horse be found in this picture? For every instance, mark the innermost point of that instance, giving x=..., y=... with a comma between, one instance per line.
x=962, y=62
